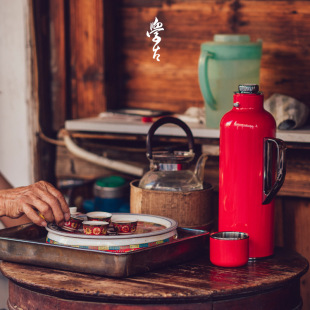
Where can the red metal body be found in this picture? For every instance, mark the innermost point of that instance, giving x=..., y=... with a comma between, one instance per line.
x=241, y=174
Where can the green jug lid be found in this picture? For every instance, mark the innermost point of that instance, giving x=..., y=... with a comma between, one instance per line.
x=241, y=38
x=111, y=181
x=232, y=47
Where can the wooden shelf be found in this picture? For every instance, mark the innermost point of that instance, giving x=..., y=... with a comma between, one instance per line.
x=129, y=126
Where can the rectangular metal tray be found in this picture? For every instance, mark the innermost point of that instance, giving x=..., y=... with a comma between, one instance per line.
x=26, y=244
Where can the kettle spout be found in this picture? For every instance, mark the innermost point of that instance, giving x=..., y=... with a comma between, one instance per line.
x=200, y=167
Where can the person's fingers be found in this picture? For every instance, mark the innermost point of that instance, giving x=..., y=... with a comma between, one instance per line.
x=62, y=202
x=44, y=208
x=53, y=205
x=51, y=209
x=33, y=216
x=43, y=202
x=32, y=198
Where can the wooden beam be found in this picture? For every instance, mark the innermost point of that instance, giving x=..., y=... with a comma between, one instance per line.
x=113, y=54
x=87, y=58
x=45, y=152
x=58, y=63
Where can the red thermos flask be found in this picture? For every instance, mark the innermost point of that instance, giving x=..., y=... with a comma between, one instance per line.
x=251, y=171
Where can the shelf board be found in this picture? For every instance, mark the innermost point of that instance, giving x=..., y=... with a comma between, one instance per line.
x=133, y=126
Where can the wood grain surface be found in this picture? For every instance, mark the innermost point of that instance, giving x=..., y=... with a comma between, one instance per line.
x=172, y=83
x=58, y=62
x=196, y=281
x=115, y=52
x=87, y=58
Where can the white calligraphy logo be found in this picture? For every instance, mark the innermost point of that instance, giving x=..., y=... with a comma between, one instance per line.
x=155, y=28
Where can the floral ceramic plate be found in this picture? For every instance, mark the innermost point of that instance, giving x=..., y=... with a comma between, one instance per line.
x=151, y=230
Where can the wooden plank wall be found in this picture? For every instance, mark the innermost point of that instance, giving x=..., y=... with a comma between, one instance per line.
x=172, y=83
x=101, y=58
x=86, y=57
x=85, y=52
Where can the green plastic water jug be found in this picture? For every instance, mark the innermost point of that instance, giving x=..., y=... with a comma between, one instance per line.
x=224, y=63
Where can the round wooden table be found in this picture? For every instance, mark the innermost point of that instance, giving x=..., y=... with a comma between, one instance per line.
x=272, y=283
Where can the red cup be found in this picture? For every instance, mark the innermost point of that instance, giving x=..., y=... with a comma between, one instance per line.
x=125, y=227
x=95, y=228
x=229, y=248
x=99, y=216
x=74, y=223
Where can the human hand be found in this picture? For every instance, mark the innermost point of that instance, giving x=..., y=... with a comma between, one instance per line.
x=40, y=197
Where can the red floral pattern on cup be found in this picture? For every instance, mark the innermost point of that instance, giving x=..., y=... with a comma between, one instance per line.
x=74, y=223
x=125, y=227
x=95, y=228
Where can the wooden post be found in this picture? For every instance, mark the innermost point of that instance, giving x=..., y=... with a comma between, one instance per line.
x=58, y=63
x=87, y=58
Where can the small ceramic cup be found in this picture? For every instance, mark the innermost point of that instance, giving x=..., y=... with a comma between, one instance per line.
x=229, y=248
x=125, y=226
x=73, y=210
x=95, y=228
x=74, y=223
x=99, y=216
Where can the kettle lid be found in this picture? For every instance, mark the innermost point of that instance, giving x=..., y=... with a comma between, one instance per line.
x=176, y=157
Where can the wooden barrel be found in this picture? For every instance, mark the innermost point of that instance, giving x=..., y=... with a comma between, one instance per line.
x=190, y=209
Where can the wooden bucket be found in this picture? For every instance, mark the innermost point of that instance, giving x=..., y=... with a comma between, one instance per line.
x=190, y=209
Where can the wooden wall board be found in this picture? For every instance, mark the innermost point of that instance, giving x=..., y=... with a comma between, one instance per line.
x=172, y=83
x=45, y=152
x=112, y=53
x=87, y=58
x=84, y=60
x=296, y=231
x=279, y=225
x=58, y=65
x=284, y=27
x=111, y=59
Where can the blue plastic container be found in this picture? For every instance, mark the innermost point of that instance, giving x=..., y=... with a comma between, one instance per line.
x=111, y=195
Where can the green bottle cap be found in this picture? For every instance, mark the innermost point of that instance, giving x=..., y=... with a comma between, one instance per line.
x=111, y=181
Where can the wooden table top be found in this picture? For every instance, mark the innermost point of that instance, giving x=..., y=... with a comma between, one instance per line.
x=195, y=280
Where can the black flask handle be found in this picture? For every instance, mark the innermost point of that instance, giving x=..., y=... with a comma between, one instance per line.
x=269, y=189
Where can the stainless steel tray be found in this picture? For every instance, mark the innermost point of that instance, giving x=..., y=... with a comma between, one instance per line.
x=26, y=244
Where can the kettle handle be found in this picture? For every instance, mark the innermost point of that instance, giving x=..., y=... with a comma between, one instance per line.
x=168, y=120
x=203, y=79
x=269, y=190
